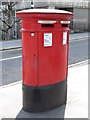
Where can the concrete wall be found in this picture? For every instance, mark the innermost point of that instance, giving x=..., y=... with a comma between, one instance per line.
x=80, y=19
x=89, y=17
x=0, y=27
x=37, y=4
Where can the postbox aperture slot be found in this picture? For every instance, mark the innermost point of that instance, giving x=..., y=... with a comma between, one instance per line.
x=64, y=25
x=47, y=25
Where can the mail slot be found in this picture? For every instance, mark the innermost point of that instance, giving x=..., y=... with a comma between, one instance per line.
x=45, y=44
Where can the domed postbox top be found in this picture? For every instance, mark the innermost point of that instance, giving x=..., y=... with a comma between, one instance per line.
x=44, y=13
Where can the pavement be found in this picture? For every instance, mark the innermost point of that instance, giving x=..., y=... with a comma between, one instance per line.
x=77, y=98
x=14, y=44
x=11, y=44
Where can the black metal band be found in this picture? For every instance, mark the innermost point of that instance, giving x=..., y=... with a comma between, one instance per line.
x=43, y=98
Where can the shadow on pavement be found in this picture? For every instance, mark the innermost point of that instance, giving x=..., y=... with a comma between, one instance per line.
x=55, y=113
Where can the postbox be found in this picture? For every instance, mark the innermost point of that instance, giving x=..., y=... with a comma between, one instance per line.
x=45, y=45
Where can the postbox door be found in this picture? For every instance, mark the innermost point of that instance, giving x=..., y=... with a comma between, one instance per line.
x=30, y=58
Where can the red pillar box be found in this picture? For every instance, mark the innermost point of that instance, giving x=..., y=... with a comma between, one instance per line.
x=45, y=43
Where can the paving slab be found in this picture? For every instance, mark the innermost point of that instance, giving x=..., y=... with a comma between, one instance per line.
x=77, y=98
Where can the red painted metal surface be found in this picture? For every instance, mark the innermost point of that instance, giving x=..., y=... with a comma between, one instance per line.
x=44, y=65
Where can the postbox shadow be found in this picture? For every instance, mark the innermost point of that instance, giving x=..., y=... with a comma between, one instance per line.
x=55, y=113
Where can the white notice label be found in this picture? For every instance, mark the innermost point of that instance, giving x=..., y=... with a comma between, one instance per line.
x=47, y=39
x=64, y=38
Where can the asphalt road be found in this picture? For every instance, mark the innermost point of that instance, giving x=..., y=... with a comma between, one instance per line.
x=11, y=61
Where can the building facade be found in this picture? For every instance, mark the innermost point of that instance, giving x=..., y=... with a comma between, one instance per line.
x=80, y=8
x=79, y=22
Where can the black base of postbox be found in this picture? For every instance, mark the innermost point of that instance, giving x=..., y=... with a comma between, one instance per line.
x=43, y=98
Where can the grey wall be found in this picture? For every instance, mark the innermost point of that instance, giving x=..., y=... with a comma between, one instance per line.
x=89, y=17
x=80, y=19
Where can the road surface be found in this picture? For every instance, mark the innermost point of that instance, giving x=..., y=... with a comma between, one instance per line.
x=11, y=60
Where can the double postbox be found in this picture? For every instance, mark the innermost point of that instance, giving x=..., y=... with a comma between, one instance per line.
x=45, y=46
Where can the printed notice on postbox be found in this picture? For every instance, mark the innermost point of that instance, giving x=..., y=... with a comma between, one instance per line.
x=64, y=38
x=47, y=39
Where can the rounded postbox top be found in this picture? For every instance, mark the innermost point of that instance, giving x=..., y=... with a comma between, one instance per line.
x=44, y=14
x=44, y=11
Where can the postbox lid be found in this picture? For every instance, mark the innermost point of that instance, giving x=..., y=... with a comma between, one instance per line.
x=44, y=14
x=45, y=11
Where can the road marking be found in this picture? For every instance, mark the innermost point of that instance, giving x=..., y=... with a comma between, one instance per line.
x=78, y=40
x=10, y=58
x=79, y=63
x=11, y=84
x=13, y=49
